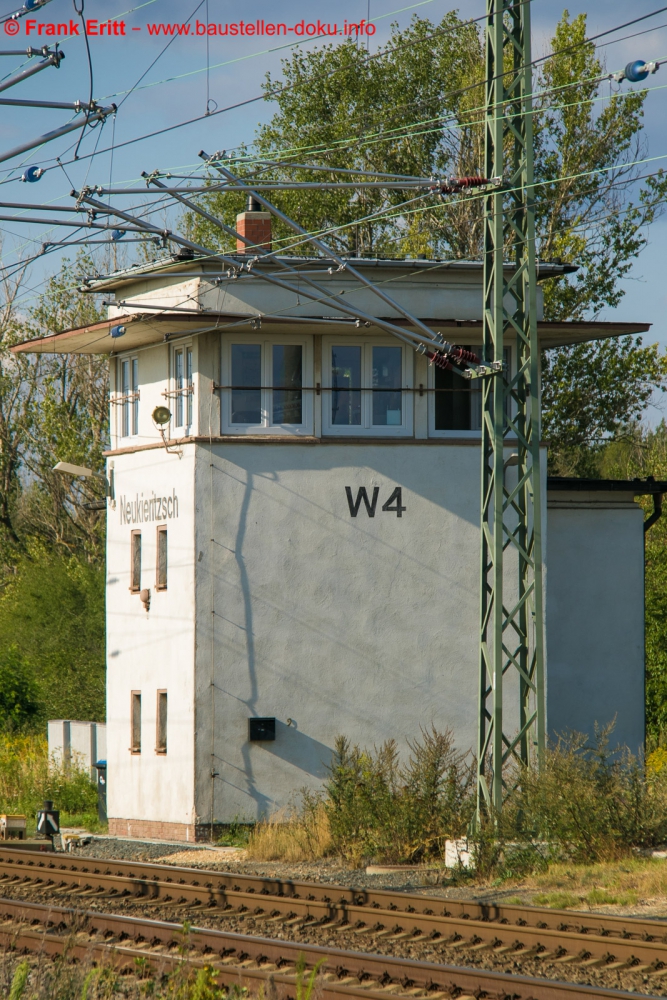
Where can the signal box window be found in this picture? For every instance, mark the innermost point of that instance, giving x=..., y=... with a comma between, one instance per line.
x=129, y=396
x=183, y=386
x=364, y=388
x=264, y=387
x=456, y=402
x=135, y=722
x=161, y=735
x=161, y=581
x=135, y=562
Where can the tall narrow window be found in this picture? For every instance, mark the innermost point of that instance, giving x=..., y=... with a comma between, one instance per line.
x=189, y=385
x=346, y=385
x=135, y=395
x=288, y=375
x=125, y=394
x=129, y=392
x=135, y=722
x=161, y=582
x=387, y=395
x=178, y=380
x=247, y=381
x=161, y=735
x=135, y=562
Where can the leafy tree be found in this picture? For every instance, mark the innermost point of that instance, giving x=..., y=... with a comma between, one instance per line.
x=52, y=407
x=414, y=109
x=52, y=611
x=19, y=704
x=593, y=392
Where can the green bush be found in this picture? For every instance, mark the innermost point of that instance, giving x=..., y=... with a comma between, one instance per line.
x=588, y=803
x=378, y=808
x=19, y=693
x=27, y=778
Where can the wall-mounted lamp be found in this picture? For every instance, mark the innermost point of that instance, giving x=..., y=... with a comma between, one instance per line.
x=161, y=417
x=81, y=470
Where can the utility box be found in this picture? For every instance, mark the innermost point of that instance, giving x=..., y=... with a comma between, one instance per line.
x=12, y=827
x=77, y=744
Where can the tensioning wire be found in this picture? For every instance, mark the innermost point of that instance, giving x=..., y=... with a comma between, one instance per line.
x=455, y=125
x=457, y=27
x=393, y=211
x=262, y=52
x=251, y=100
x=444, y=121
x=388, y=50
x=402, y=132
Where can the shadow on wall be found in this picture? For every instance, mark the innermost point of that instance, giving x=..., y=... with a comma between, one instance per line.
x=299, y=750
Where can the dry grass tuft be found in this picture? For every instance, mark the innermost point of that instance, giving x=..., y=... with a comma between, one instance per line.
x=289, y=837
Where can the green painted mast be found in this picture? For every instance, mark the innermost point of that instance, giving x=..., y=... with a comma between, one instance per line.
x=512, y=706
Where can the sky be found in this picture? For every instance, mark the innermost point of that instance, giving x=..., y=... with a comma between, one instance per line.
x=157, y=85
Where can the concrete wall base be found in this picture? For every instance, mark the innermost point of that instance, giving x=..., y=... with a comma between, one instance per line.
x=157, y=830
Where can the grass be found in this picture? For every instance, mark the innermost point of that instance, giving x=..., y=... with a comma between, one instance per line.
x=28, y=777
x=39, y=978
x=235, y=834
x=292, y=838
x=626, y=882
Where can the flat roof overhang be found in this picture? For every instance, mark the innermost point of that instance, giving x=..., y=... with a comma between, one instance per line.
x=146, y=330
x=637, y=487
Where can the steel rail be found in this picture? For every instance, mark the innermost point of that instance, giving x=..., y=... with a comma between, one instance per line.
x=611, y=940
x=251, y=960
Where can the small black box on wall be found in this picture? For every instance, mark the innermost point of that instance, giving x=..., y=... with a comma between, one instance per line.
x=261, y=729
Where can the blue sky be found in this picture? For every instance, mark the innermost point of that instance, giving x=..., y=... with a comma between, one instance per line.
x=177, y=87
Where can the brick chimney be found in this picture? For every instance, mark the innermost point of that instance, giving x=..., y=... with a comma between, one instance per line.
x=255, y=225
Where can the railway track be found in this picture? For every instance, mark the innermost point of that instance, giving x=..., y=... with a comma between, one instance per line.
x=562, y=936
x=131, y=943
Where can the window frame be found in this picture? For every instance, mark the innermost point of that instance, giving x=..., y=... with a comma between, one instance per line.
x=366, y=428
x=135, y=587
x=305, y=428
x=182, y=397
x=464, y=435
x=135, y=722
x=160, y=730
x=161, y=529
x=127, y=401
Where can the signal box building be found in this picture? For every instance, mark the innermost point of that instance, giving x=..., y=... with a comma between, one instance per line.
x=295, y=554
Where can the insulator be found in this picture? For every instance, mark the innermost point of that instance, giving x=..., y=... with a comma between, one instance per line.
x=636, y=71
x=117, y=331
x=32, y=174
x=117, y=234
x=439, y=360
x=453, y=184
x=461, y=354
x=33, y=4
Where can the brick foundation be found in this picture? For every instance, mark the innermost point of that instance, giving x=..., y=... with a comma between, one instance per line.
x=156, y=830
x=255, y=226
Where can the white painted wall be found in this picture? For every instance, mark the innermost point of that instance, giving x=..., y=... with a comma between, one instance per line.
x=81, y=743
x=595, y=615
x=148, y=651
x=348, y=625
x=279, y=603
